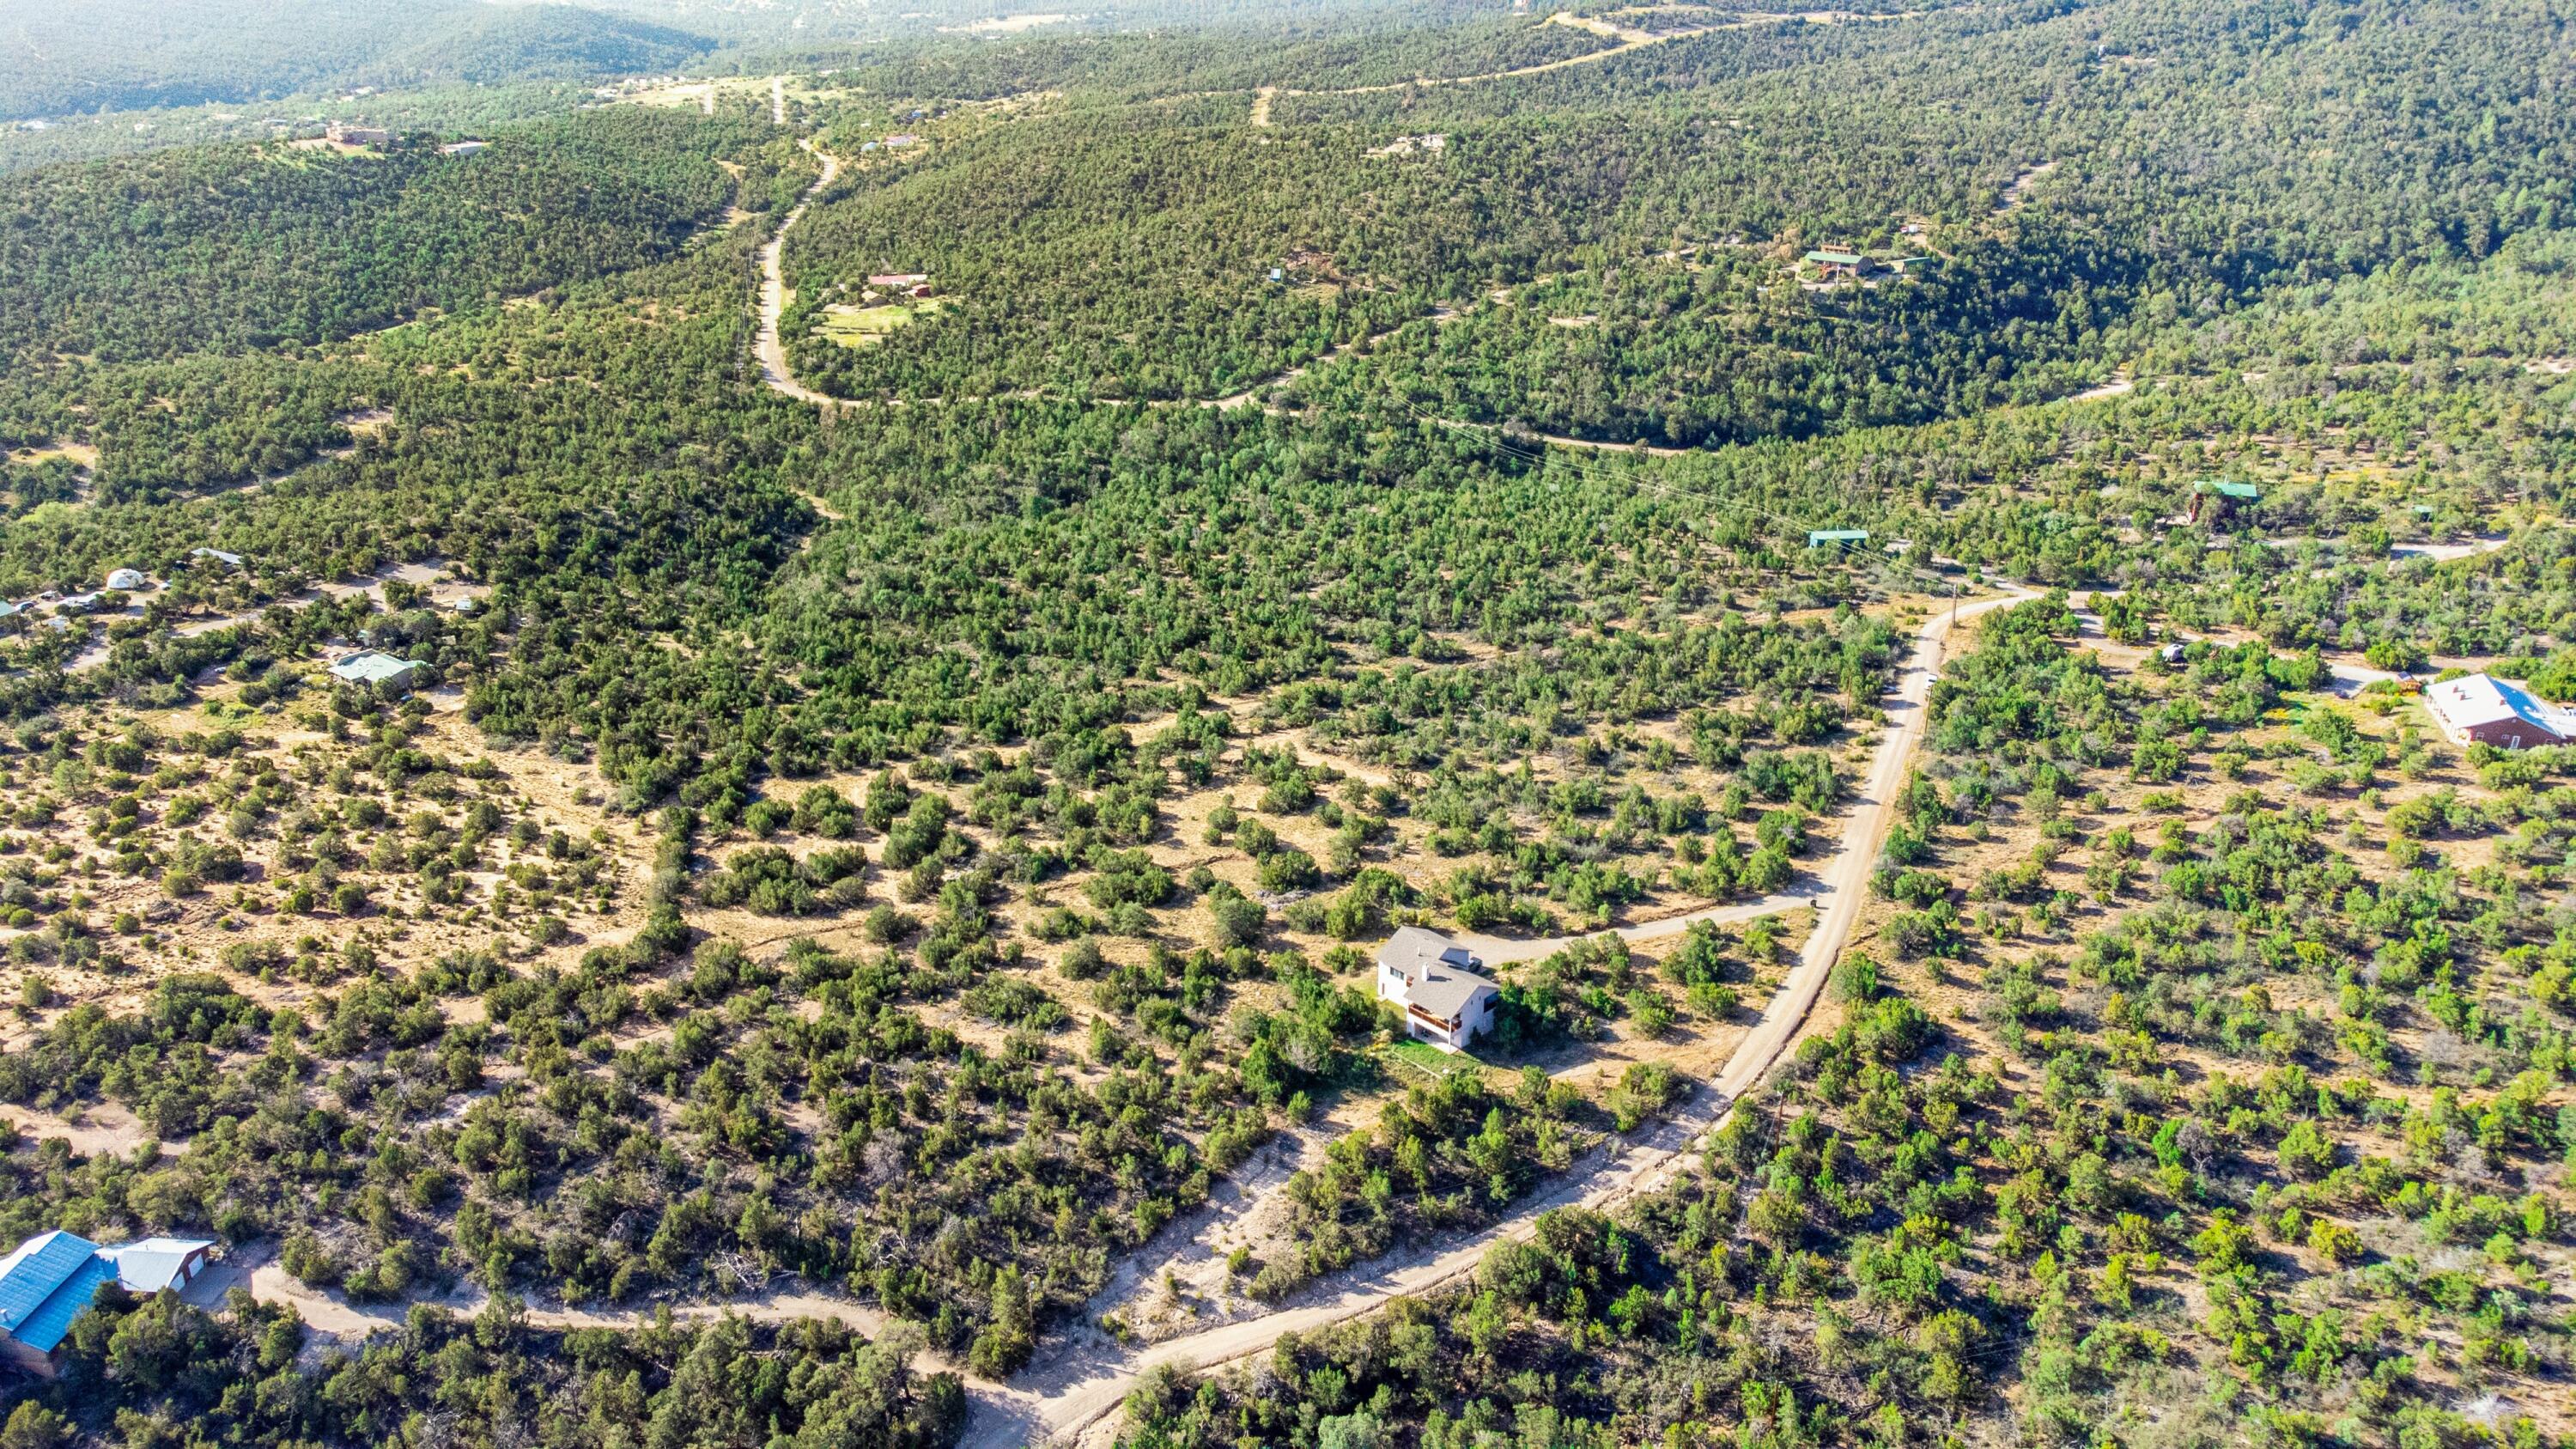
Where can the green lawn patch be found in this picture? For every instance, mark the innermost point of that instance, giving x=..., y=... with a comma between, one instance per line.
x=1423, y=1059
x=853, y=326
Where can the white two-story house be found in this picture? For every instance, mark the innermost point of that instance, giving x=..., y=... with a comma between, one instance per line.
x=1434, y=979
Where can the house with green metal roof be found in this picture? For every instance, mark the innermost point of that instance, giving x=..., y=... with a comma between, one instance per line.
x=1838, y=261
x=2221, y=496
x=1836, y=537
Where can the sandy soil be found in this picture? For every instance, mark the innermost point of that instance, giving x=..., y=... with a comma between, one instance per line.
x=2120, y=385
x=1246, y=1210
x=1500, y=949
x=103, y=1129
x=340, y=1322
x=1077, y=1383
x=445, y=591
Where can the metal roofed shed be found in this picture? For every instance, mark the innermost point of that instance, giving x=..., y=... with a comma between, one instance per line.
x=149, y=1265
x=372, y=667
x=1838, y=537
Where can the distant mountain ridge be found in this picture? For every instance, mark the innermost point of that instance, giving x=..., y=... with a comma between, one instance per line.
x=123, y=54
x=493, y=43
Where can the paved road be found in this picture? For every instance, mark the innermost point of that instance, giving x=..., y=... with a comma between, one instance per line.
x=1083, y=1381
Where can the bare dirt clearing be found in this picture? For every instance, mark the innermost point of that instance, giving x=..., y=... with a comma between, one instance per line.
x=1079, y=1382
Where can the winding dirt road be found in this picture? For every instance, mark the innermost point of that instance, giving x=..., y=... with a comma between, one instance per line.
x=1085, y=1377
x=326, y=1311
x=773, y=290
x=1629, y=40
x=1501, y=950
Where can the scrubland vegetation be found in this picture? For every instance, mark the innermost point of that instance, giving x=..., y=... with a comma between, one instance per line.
x=907, y=870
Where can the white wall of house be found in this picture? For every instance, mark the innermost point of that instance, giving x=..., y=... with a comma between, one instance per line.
x=1473, y=1019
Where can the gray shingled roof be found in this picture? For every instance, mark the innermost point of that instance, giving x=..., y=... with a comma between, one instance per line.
x=1435, y=970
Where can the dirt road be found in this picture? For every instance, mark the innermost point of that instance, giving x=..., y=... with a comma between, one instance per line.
x=1630, y=39
x=1084, y=1375
x=1651, y=450
x=773, y=291
x=1599, y=27
x=254, y=1266
x=2120, y=385
x=1087, y=1377
x=1499, y=950
x=2016, y=194
x=2446, y=552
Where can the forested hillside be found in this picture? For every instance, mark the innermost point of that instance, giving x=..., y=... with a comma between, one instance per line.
x=120, y=55
x=728, y=769
x=240, y=248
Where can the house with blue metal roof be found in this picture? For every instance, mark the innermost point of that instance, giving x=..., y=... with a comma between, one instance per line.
x=47, y=1280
